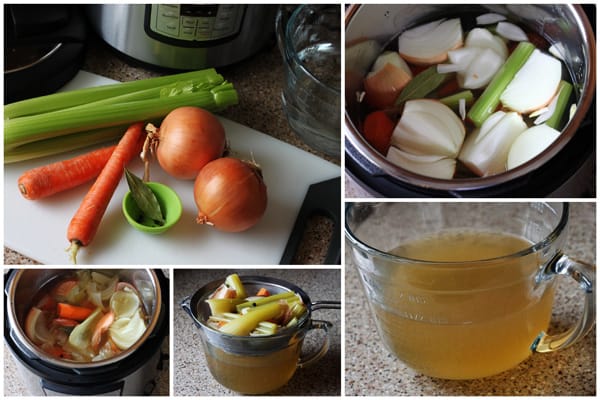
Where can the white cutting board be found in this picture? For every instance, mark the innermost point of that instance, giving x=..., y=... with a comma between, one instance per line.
x=38, y=228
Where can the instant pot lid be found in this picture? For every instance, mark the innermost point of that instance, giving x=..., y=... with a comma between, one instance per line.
x=44, y=46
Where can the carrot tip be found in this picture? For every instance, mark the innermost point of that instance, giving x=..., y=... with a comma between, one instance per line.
x=72, y=249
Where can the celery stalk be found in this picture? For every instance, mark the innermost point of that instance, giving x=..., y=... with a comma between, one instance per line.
x=63, y=100
x=66, y=143
x=564, y=94
x=490, y=98
x=29, y=129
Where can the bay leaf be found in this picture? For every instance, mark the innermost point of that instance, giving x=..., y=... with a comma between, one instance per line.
x=421, y=85
x=144, y=198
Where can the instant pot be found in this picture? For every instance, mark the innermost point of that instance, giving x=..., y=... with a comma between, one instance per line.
x=185, y=36
x=565, y=169
x=132, y=372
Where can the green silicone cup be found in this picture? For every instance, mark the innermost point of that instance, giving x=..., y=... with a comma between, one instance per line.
x=170, y=205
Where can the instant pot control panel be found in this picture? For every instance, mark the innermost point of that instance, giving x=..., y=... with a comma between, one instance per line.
x=192, y=25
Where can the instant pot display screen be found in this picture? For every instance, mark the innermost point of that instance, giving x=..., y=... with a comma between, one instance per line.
x=190, y=25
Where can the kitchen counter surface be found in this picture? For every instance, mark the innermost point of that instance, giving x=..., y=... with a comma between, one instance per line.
x=259, y=81
x=371, y=370
x=191, y=375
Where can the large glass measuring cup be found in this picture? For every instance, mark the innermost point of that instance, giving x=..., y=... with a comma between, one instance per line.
x=464, y=315
x=258, y=364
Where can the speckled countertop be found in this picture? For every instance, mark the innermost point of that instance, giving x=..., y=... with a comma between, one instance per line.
x=259, y=81
x=191, y=375
x=371, y=370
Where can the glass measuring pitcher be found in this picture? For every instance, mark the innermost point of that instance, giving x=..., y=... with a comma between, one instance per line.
x=465, y=290
x=309, y=38
x=257, y=364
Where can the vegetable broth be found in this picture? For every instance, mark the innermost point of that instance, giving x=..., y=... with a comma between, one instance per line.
x=460, y=321
x=449, y=87
x=253, y=374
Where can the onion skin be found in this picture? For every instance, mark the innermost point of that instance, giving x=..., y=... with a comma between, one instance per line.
x=230, y=195
x=189, y=138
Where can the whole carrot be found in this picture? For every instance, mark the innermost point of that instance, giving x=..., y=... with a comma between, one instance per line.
x=85, y=222
x=49, y=179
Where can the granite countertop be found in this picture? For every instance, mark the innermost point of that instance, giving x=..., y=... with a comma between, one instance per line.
x=372, y=370
x=15, y=385
x=191, y=375
x=259, y=81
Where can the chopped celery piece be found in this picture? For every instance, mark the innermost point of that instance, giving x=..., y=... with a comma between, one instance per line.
x=265, y=300
x=422, y=84
x=452, y=101
x=221, y=306
x=564, y=94
x=292, y=322
x=298, y=309
x=265, y=328
x=233, y=281
x=245, y=324
x=487, y=103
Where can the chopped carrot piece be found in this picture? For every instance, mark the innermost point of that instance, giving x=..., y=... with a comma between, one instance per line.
x=102, y=326
x=263, y=292
x=70, y=311
x=378, y=129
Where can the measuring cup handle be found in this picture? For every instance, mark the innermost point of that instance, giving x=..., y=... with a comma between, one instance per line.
x=186, y=305
x=318, y=354
x=584, y=275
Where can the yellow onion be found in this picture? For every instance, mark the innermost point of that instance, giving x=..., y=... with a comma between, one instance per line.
x=230, y=194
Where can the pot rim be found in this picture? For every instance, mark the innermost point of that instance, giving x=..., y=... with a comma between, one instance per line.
x=357, y=140
x=21, y=338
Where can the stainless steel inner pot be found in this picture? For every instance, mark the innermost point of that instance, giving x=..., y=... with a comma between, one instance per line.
x=24, y=283
x=199, y=310
x=562, y=24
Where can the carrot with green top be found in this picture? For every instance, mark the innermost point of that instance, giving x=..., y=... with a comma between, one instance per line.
x=85, y=222
x=47, y=180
